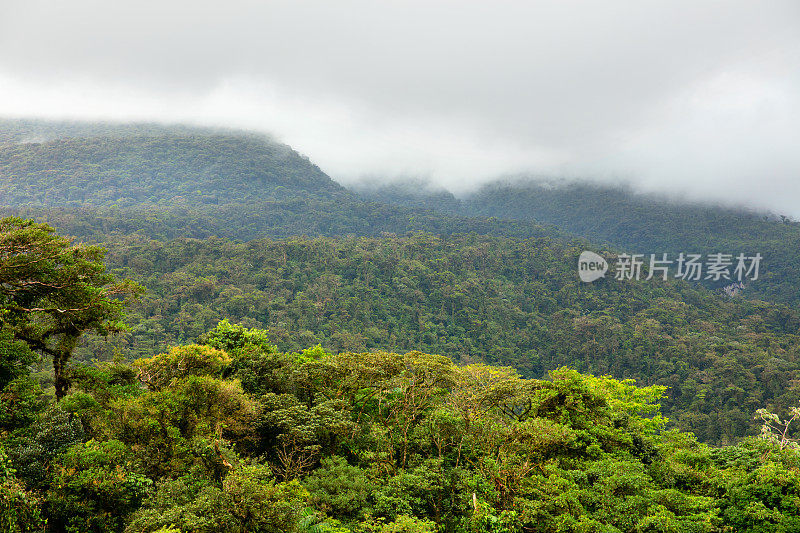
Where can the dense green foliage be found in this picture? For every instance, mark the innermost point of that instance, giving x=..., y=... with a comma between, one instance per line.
x=165, y=182
x=503, y=300
x=277, y=219
x=632, y=222
x=51, y=292
x=162, y=170
x=187, y=422
x=234, y=436
x=473, y=299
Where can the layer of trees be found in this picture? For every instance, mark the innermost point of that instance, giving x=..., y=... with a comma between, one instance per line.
x=632, y=222
x=472, y=299
x=92, y=180
x=231, y=435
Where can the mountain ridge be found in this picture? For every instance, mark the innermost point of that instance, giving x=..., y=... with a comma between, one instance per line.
x=627, y=221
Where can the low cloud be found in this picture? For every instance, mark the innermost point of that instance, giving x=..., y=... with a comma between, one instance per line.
x=693, y=98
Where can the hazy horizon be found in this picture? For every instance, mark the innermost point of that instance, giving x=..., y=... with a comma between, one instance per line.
x=693, y=100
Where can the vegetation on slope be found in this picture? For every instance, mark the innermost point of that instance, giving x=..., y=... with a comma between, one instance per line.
x=176, y=182
x=631, y=222
x=232, y=435
x=171, y=170
x=472, y=299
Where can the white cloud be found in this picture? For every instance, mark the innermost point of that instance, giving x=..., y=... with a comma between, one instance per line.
x=679, y=96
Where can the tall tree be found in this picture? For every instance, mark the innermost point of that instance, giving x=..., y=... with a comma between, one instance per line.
x=52, y=291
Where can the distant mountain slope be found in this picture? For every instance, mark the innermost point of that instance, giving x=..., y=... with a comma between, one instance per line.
x=167, y=170
x=631, y=222
x=175, y=181
x=93, y=180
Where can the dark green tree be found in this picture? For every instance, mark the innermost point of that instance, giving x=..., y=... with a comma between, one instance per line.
x=52, y=291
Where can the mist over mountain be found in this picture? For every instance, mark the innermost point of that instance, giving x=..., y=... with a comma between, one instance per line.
x=92, y=180
x=625, y=220
x=180, y=181
x=674, y=97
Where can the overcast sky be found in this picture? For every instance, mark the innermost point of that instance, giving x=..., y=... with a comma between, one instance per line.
x=688, y=97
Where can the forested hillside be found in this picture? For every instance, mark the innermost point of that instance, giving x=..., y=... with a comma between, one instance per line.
x=167, y=182
x=148, y=171
x=296, y=358
x=636, y=223
x=497, y=288
x=473, y=299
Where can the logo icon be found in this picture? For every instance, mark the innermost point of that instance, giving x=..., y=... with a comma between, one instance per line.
x=591, y=266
